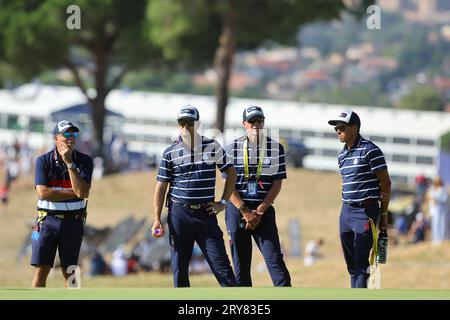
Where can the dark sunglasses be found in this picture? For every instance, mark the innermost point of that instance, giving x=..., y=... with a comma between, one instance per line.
x=340, y=128
x=256, y=120
x=189, y=123
x=70, y=134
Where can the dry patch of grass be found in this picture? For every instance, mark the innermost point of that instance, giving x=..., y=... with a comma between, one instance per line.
x=311, y=197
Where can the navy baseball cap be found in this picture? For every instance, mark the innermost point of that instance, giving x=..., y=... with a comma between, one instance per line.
x=64, y=125
x=252, y=112
x=349, y=117
x=189, y=113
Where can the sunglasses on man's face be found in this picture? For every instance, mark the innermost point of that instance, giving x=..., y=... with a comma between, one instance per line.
x=70, y=134
x=189, y=123
x=340, y=128
x=256, y=120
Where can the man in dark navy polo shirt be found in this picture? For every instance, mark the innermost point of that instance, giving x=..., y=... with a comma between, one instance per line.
x=260, y=166
x=366, y=189
x=63, y=180
x=188, y=167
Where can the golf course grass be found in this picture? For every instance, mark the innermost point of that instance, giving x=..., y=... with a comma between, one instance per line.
x=269, y=293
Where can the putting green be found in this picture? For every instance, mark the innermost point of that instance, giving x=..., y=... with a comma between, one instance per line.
x=269, y=293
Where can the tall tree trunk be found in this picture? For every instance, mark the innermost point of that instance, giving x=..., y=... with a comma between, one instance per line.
x=223, y=63
x=98, y=103
x=98, y=120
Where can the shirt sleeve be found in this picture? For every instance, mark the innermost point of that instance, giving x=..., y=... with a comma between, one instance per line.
x=165, y=168
x=281, y=164
x=223, y=161
x=86, y=170
x=40, y=175
x=376, y=159
x=230, y=156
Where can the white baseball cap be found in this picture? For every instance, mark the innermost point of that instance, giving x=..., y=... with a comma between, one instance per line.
x=347, y=116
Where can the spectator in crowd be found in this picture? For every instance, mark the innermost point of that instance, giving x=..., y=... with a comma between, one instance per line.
x=312, y=251
x=133, y=263
x=98, y=265
x=418, y=231
x=421, y=186
x=437, y=197
x=99, y=168
x=119, y=263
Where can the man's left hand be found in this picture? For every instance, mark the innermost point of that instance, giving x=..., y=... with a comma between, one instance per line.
x=383, y=222
x=262, y=208
x=214, y=207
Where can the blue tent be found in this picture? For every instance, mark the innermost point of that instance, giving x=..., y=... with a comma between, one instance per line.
x=77, y=110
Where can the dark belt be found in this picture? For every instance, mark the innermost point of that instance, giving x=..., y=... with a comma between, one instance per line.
x=190, y=206
x=363, y=204
x=67, y=215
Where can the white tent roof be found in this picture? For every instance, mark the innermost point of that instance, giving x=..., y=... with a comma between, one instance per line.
x=41, y=100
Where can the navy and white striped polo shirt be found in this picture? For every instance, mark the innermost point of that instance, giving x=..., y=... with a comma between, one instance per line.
x=51, y=171
x=358, y=166
x=273, y=167
x=192, y=175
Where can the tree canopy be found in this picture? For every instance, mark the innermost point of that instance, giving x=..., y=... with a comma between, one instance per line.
x=202, y=31
x=111, y=41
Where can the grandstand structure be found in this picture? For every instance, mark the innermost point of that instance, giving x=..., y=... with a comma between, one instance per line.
x=410, y=140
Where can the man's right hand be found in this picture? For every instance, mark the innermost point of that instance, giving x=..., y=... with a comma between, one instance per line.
x=157, y=230
x=252, y=218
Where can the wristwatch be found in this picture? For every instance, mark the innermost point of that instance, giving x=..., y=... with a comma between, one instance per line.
x=71, y=166
x=384, y=213
x=242, y=208
x=224, y=202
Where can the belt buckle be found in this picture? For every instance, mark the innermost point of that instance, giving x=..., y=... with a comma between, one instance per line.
x=195, y=206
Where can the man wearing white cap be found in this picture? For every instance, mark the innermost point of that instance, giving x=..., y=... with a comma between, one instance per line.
x=189, y=167
x=366, y=190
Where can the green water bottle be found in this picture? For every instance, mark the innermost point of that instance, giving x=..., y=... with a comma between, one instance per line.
x=382, y=246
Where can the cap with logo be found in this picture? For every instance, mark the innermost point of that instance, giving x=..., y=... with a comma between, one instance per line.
x=252, y=112
x=188, y=113
x=349, y=117
x=64, y=125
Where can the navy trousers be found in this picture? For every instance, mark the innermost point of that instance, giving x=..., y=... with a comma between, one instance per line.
x=266, y=237
x=188, y=225
x=356, y=239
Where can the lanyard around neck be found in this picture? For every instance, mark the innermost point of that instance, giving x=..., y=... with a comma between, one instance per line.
x=260, y=160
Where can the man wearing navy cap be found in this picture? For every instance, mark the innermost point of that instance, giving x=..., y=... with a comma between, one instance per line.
x=261, y=168
x=189, y=168
x=366, y=190
x=63, y=180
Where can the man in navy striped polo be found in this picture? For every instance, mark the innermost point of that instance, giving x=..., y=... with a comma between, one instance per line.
x=260, y=167
x=366, y=189
x=188, y=167
x=63, y=180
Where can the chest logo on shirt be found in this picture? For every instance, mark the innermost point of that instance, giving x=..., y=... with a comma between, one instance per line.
x=355, y=161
